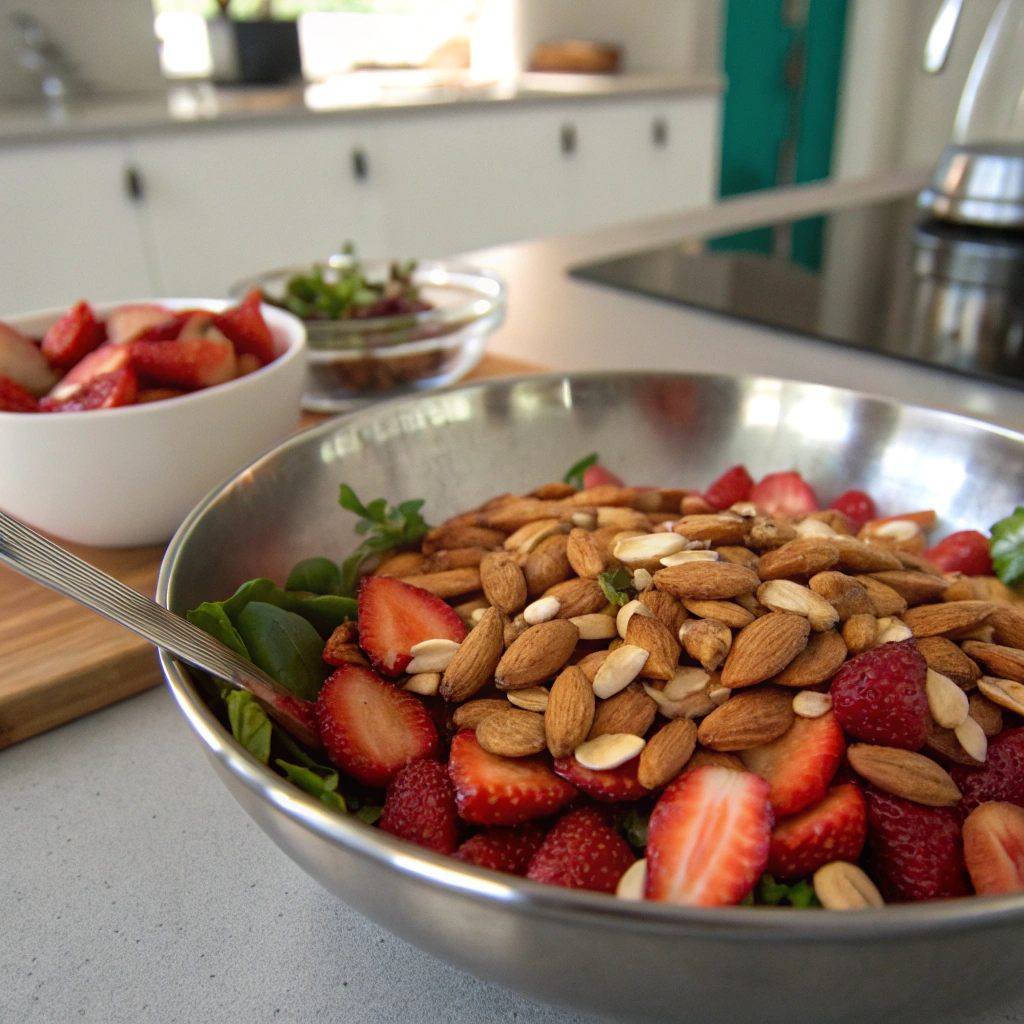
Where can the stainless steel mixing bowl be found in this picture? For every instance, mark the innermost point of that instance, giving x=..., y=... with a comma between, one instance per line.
x=630, y=961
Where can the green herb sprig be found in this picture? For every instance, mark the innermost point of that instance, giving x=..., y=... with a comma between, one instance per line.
x=576, y=471
x=1007, y=547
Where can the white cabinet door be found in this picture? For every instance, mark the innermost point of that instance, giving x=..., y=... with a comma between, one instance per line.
x=223, y=204
x=69, y=228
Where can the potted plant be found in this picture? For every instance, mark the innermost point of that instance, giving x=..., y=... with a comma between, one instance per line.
x=257, y=51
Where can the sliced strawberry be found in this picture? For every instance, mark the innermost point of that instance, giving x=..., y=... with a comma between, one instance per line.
x=492, y=790
x=966, y=551
x=22, y=362
x=857, y=506
x=832, y=829
x=503, y=849
x=785, y=494
x=104, y=360
x=157, y=395
x=245, y=327
x=107, y=391
x=14, y=398
x=708, y=838
x=611, y=785
x=420, y=807
x=994, y=848
x=72, y=337
x=581, y=852
x=196, y=323
x=732, y=486
x=925, y=519
x=141, y=320
x=800, y=764
x=370, y=728
x=598, y=476
x=194, y=363
x=394, y=617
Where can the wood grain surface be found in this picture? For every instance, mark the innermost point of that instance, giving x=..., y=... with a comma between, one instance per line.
x=59, y=661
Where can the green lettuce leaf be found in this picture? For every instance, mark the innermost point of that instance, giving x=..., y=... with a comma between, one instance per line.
x=319, y=782
x=1007, y=547
x=249, y=723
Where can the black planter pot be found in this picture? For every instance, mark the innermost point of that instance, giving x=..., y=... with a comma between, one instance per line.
x=268, y=51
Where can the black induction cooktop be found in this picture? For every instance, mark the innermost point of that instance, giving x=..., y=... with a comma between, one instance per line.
x=877, y=277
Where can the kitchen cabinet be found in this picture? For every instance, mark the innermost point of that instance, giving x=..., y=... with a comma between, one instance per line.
x=70, y=229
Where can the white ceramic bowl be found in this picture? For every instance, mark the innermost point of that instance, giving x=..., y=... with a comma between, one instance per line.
x=128, y=477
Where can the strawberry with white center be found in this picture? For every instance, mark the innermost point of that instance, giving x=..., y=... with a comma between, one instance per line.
x=493, y=790
x=994, y=848
x=370, y=728
x=785, y=494
x=394, y=617
x=708, y=838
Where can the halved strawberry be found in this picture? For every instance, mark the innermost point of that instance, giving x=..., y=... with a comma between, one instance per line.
x=14, y=398
x=708, y=838
x=581, y=852
x=966, y=551
x=800, y=764
x=926, y=519
x=157, y=395
x=503, y=849
x=101, y=361
x=72, y=337
x=857, y=506
x=245, y=327
x=832, y=829
x=611, y=785
x=492, y=790
x=193, y=363
x=598, y=476
x=785, y=494
x=107, y=391
x=370, y=728
x=22, y=362
x=994, y=848
x=732, y=486
x=420, y=807
x=394, y=617
x=141, y=320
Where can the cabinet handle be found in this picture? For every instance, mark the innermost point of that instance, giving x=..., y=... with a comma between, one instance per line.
x=659, y=132
x=568, y=139
x=360, y=164
x=134, y=184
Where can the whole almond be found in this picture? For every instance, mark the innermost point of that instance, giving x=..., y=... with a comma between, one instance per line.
x=727, y=612
x=512, y=733
x=514, y=629
x=1007, y=622
x=460, y=558
x=586, y=558
x=536, y=655
x=666, y=607
x=622, y=518
x=577, y=597
x=630, y=710
x=1007, y=693
x=405, y=563
x=666, y=753
x=453, y=583
x=766, y=533
x=702, y=757
x=590, y=663
x=605, y=494
x=694, y=505
x=764, y=648
x=570, y=711
x=987, y=713
x=884, y=600
x=707, y=641
x=843, y=592
x=516, y=514
x=738, y=555
x=477, y=657
x=857, y=557
x=802, y=557
x=546, y=565
x=653, y=636
x=527, y=537
x=787, y=596
x=818, y=662
x=860, y=632
x=706, y=581
x=840, y=885
x=503, y=582
x=945, y=742
x=451, y=536
x=944, y=656
x=946, y=618
x=905, y=774
x=471, y=714
x=749, y=719
x=914, y=587
x=720, y=528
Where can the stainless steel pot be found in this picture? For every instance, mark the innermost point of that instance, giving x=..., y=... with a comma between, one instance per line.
x=630, y=961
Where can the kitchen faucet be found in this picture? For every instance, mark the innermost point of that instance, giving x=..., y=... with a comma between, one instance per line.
x=58, y=75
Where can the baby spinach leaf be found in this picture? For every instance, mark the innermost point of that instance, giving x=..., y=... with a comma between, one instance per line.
x=371, y=815
x=634, y=828
x=253, y=590
x=797, y=894
x=576, y=471
x=249, y=724
x=324, y=612
x=212, y=619
x=317, y=575
x=285, y=646
x=1007, y=547
x=319, y=782
x=617, y=586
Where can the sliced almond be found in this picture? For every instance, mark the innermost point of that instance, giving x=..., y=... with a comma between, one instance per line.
x=905, y=774
x=472, y=713
x=811, y=704
x=706, y=581
x=860, y=633
x=892, y=631
x=584, y=520
x=476, y=659
x=609, y=751
x=512, y=733
x=972, y=738
x=698, y=555
x=945, y=742
x=987, y=713
x=817, y=662
x=633, y=883
x=533, y=698
x=802, y=557
x=686, y=681
x=536, y=655
x=570, y=711
x=651, y=634
x=426, y=684
x=748, y=719
x=541, y=610
x=503, y=582
x=648, y=549
x=719, y=694
x=707, y=641
x=630, y=710
x=814, y=528
x=642, y=580
x=764, y=648
x=1007, y=693
x=595, y=626
x=840, y=885
x=946, y=618
x=432, y=655
x=627, y=611
x=619, y=669
x=787, y=596
x=666, y=753
x=946, y=701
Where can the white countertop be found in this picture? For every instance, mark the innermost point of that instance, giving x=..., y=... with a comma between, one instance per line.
x=134, y=889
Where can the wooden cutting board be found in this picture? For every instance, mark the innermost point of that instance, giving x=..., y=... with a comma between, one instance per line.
x=59, y=661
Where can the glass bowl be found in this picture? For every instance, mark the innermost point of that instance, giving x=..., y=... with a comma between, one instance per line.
x=358, y=359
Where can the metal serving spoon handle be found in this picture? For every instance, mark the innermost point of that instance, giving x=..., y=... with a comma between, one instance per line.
x=41, y=560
